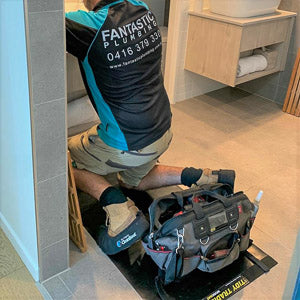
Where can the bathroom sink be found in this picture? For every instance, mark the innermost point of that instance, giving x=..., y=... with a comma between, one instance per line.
x=243, y=8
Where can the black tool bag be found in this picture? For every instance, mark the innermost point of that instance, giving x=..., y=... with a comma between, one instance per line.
x=205, y=227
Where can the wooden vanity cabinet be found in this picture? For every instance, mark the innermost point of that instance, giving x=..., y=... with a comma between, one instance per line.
x=215, y=43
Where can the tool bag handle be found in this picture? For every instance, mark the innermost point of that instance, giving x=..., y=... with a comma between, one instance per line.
x=155, y=212
x=225, y=201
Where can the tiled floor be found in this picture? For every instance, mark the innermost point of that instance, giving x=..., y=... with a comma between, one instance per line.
x=227, y=128
x=230, y=128
x=15, y=280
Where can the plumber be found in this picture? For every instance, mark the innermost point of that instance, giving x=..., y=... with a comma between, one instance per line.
x=118, y=45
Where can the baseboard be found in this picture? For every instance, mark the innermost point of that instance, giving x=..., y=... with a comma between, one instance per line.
x=19, y=247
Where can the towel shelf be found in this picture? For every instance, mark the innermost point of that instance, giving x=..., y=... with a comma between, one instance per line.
x=255, y=75
x=215, y=43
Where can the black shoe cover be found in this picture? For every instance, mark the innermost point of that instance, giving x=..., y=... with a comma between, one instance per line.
x=227, y=177
x=134, y=232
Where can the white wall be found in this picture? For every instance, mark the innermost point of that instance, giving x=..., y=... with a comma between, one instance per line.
x=17, y=205
x=181, y=84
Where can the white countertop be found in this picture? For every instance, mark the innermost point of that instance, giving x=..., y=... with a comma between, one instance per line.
x=243, y=21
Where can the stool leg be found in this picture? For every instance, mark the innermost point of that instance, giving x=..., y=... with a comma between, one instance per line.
x=76, y=230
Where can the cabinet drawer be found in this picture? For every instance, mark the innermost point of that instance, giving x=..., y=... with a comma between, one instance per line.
x=263, y=34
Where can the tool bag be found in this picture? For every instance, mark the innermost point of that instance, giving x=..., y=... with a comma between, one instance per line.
x=205, y=227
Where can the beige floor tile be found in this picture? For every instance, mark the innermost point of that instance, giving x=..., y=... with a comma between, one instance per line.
x=215, y=117
x=277, y=135
x=270, y=285
x=111, y=286
x=9, y=259
x=19, y=285
x=184, y=152
x=279, y=213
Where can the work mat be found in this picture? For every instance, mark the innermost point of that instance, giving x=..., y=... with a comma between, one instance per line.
x=140, y=270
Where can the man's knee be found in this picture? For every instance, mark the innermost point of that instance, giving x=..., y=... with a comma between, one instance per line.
x=127, y=186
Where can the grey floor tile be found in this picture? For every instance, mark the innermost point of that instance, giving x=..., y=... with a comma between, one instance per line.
x=90, y=272
x=9, y=259
x=253, y=100
x=43, y=291
x=93, y=253
x=111, y=286
x=226, y=95
x=237, y=107
x=56, y=288
x=267, y=91
x=264, y=86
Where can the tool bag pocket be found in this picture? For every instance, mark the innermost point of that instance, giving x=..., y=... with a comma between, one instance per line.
x=220, y=254
x=161, y=254
x=190, y=264
x=245, y=239
x=161, y=258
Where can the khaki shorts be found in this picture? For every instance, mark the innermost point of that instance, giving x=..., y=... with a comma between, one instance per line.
x=90, y=153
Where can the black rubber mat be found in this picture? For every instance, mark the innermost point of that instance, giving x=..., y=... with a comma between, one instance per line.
x=141, y=271
x=196, y=285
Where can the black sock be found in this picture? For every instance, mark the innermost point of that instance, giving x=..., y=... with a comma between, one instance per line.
x=190, y=176
x=112, y=195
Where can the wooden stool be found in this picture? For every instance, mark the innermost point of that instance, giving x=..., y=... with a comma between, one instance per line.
x=76, y=230
x=292, y=100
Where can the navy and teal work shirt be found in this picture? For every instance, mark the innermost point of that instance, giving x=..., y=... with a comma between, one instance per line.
x=119, y=46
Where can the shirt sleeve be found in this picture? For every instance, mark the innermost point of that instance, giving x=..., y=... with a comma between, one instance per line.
x=79, y=36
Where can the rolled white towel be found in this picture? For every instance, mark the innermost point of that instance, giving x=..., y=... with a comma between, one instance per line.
x=250, y=64
x=81, y=111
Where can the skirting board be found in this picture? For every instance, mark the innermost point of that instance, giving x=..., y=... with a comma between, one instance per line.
x=19, y=247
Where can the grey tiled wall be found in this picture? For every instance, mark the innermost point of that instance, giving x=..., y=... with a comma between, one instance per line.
x=47, y=86
x=158, y=8
x=274, y=87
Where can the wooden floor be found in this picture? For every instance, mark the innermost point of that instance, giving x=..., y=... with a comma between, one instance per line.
x=15, y=281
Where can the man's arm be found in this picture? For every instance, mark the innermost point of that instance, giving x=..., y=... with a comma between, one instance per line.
x=80, y=33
